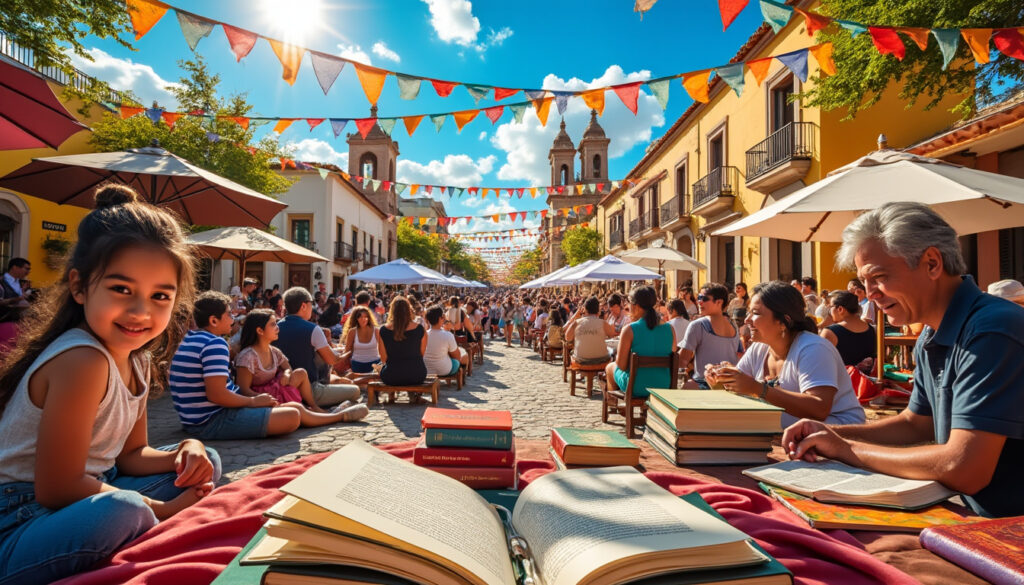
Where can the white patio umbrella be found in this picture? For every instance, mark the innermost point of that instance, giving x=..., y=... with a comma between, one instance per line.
x=662, y=258
x=541, y=281
x=246, y=244
x=612, y=268
x=400, y=271
x=477, y=284
x=459, y=282
x=971, y=201
x=564, y=275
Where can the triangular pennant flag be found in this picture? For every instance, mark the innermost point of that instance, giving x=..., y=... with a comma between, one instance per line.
x=541, y=108
x=400, y=188
x=1010, y=42
x=260, y=122
x=977, y=39
x=590, y=209
x=887, y=42
x=518, y=110
x=443, y=88
x=543, y=213
x=326, y=68
x=501, y=93
x=600, y=187
x=459, y=191
x=314, y=122
x=194, y=28
x=823, y=55
x=373, y=183
x=290, y=57
x=478, y=91
x=733, y=75
x=144, y=15
x=154, y=114
x=408, y=86
x=365, y=125
x=323, y=172
x=411, y=122
x=170, y=118
x=776, y=15
x=484, y=193
x=948, y=39
x=659, y=88
x=730, y=9
x=813, y=22
x=918, y=35
x=128, y=112
x=696, y=84
x=628, y=93
x=590, y=187
x=560, y=189
x=533, y=192
x=414, y=188
x=496, y=217
x=387, y=124
x=796, y=61
x=387, y=185
x=579, y=189
x=372, y=80
x=442, y=189
x=429, y=189
x=464, y=117
x=241, y=121
x=282, y=125
x=474, y=190
x=760, y=67
x=493, y=113
x=338, y=126
x=594, y=100
x=562, y=100
x=855, y=28
x=438, y=120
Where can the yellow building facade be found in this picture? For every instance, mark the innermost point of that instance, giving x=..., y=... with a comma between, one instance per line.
x=728, y=158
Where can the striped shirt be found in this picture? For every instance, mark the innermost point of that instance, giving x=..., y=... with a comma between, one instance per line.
x=201, y=355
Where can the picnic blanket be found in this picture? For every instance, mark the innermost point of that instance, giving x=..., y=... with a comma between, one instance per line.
x=195, y=545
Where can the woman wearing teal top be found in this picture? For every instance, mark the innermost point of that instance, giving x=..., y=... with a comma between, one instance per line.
x=646, y=336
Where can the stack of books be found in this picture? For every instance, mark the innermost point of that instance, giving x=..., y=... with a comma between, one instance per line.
x=573, y=448
x=710, y=427
x=475, y=447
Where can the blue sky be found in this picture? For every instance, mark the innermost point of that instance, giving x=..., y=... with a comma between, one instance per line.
x=535, y=44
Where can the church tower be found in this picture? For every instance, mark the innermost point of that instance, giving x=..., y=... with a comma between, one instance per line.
x=562, y=157
x=375, y=157
x=594, y=152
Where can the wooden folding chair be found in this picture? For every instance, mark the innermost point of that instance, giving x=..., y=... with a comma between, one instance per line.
x=470, y=348
x=623, y=403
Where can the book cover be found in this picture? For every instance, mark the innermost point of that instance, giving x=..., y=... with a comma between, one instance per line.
x=594, y=447
x=710, y=400
x=703, y=456
x=835, y=516
x=664, y=428
x=715, y=411
x=991, y=549
x=480, y=478
x=479, y=438
x=449, y=418
x=239, y=574
x=462, y=457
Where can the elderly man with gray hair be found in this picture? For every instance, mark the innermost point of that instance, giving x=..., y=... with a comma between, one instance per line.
x=964, y=426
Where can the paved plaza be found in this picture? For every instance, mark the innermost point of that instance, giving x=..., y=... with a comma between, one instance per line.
x=512, y=378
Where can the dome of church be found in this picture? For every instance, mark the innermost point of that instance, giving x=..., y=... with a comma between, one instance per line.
x=562, y=140
x=594, y=130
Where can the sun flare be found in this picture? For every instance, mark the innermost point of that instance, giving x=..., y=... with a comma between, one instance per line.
x=293, y=20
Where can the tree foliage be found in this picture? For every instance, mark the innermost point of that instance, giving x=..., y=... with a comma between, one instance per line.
x=416, y=246
x=581, y=244
x=527, y=267
x=227, y=156
x=479, y=269
x=863, y=74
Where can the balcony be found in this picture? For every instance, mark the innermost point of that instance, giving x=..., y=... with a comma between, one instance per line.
x=306, y=244
x=615, y=239
x=782, y=158
x=343, y=252
x=674, y=212
x=646, y=225
x=715, y=192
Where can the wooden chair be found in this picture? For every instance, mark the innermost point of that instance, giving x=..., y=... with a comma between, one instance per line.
x=623, y=403
x=429, y=386
x=589, y=372
x=458, y=378
x=548, y=353
x=470, y=348
x=567, y=347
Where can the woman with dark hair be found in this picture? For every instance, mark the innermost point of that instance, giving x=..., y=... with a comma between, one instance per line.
x=854, y=338
x=737, y=309
x=712, y=338
x=646, y=336
x=401, y=343
x=689, y=301
x=617, y=317
x=788, y=364
x=331, y=317
x=553, y=333
x=361, y=341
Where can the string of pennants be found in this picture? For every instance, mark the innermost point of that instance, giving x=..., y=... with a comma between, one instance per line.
x=886, y=39
x=574, y=211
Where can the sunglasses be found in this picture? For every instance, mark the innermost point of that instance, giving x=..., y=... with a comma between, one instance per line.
x=705, y=298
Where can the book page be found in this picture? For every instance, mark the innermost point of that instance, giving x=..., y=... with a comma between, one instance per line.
x=413, y=504
x=807, y=478
x=578, y=521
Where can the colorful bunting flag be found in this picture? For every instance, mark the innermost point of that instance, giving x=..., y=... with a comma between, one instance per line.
x=144, y=15
x=338, y=126
x=241, y=40
x=949, y=40
x=478, y=92
x=193, y=28
x=501, y=93
x=760, y=67
x=326, y=68
x=372, y=80
x=1010, y=42
x=562, y=100
x=628, y=93
x=776, y=15
x=387, y=124
x=411, y=122
x=408, y=86
x=977, y=39
x=518, y=110
x=493, y=113
x=170, y=118
x=733, y=76
x=290, y=57
x=365, y=125
x=854, y=27
x=594, y=100
x=659, y=87
x=129, y=111
x=813, y=22
x=464, y=117
x=443, y=88
x=438, y=120
x=796, y=61
x=282, y=125
x=730, y=9
x=887, y=42
x=696, y=85
x=823, y=55
x=918, y=35
x=323, y=172
x=541, y=108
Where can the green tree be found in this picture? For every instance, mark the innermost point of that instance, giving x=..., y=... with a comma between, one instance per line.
x=416, y=246
x=479, y=270
x=48, y=27
x=229, y=156
x=581, y=244
x=527, y=267
x=863, y=74
x=454, y=253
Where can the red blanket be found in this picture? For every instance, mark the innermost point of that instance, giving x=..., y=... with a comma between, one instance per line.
x=194, y=546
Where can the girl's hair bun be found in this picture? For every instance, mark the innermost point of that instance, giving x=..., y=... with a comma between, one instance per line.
x=114, y=194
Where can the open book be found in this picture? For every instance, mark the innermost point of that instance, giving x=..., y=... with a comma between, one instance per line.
x=365, y=508
x=835, y=482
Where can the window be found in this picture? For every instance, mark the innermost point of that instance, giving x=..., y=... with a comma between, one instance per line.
x=355, y=240
x=368, y=165
x=780, y=109
x=563, y=175
x=597, y=166
x=681, y=189
x=716, y=152
x=300, y=232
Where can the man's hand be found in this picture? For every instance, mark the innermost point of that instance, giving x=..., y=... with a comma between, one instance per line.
x=810, y=439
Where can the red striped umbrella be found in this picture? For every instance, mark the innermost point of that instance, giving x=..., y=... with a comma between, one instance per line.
x=30, y=115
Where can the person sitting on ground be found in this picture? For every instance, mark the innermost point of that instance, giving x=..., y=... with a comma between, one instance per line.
x=303, y=342
x=361, y=343
x=854, y=338
x=647, y=336
x=261, y=368
x=712, y=338
x=964, y=426
x=401, y=344
x=553, y=335
x=588, y=332
x=678, y=318
x=788, y=364
x=617, y=317
x=443, y=356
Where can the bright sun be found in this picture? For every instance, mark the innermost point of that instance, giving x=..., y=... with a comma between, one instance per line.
x=293, y=20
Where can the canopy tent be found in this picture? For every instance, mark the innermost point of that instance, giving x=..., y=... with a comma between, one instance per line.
x=543, y=280
x=459, y=282
x=477, y=284
x=563, y=276
x=610, y=268
x=400, y=271
x=247, y=244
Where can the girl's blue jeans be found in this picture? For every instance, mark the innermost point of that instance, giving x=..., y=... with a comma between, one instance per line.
x=40, y=545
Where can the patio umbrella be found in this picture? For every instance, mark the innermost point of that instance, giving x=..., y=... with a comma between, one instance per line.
x=400, y=271
x=459, y=282
x=477, y=284
x=971, y=201
x=199, y=197
x=563, y=276
x=663, y=259
x=246, y=244
x=612, y=268
x=30, y=115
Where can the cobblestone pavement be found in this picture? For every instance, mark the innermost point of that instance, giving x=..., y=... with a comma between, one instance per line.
x=512, y=378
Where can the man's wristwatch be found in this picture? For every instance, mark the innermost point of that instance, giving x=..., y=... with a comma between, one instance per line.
x=764, y=389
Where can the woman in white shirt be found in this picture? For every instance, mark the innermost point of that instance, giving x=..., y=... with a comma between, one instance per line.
x=788, y=364
x=443, y=357
x=360, y=337
x=678, y=317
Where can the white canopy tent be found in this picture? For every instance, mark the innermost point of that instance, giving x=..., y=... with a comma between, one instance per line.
x=401, y=271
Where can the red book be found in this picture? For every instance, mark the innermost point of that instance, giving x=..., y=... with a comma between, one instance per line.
x=459, y=457
x=450, y=418
x=481, y=478
x=991, y=549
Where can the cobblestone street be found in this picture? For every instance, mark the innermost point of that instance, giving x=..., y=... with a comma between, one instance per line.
x=512, y=378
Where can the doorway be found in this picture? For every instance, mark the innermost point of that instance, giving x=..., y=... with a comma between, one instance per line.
x=298, y=275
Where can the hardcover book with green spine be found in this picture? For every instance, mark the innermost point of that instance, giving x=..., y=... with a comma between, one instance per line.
x=593, y=447
x=480, y=438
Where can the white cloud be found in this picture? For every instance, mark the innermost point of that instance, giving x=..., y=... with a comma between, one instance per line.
x=126, y=75
x=381, y=50
x=471, y=201
x=354, y=52
x=453, y=21
x=456, y=169
x=482, y=136
x=315, y=150
x=526, y=144
x=496, y=37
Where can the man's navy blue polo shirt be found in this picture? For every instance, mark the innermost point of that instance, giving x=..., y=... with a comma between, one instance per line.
x=970, y=375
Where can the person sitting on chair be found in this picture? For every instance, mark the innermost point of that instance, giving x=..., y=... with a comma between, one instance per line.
x=646, y=336
x=854, y=338
x=443, y=356
x=553, y=334
x=401, y=344
x=588, y=332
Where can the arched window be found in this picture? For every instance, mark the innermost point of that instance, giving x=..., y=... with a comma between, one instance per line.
x=563, y=175
x=368, y=165
x=597, y=166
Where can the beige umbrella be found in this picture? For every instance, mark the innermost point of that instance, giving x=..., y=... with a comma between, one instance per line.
x=246, y=244
x=662, y=258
